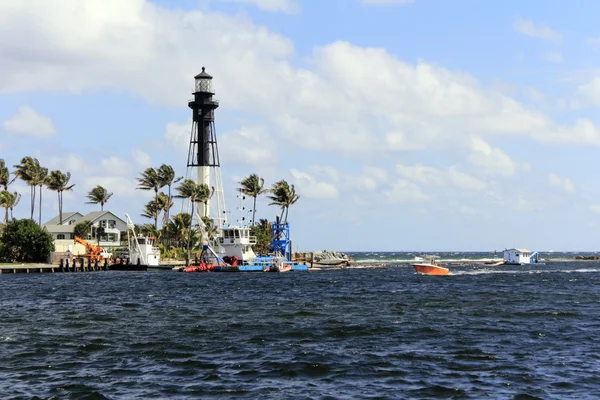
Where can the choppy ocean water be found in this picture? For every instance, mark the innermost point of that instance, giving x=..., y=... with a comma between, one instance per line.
x=522, y=332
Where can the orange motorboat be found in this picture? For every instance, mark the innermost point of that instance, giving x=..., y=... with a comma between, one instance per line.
x=430, y=267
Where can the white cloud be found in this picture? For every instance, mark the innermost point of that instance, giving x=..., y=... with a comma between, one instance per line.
x=552, y=57
x=286, y=6
x=464, y=181
x=141, y=158
x=249, y=146
x=564, y=184
x=582, y=132
x=368, y=181
x=115, y=166
x=491, y=161
x=29, y=123
x=589, y=93
x=178, y=136
x=402, y=107
x=433, y=176
x=310, y=187
x=403, y=191
x=595, y=208
x=528, y=28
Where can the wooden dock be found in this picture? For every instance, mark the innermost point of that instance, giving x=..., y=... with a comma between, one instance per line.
x=50, y=268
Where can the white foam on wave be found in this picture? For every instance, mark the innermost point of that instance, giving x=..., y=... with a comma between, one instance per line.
x=412, y=260
x=508, y=271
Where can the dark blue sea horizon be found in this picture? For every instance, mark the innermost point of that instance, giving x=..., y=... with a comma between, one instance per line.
x=523, y=332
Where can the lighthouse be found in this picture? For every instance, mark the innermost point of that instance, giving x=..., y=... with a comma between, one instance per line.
x=203, y=164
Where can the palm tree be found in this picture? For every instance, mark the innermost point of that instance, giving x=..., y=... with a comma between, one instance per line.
x=152, y=210
x=25, y=171
x=195, y=193
x=5, y=201
x=210, y=229
x=166, y=174
x=283, y=195
x=4, y=175
x=98, y=195
x=98, y=232
x=39, y=179
x=15, y=197
x=178, y=226
x=4, y=180
x=151, y=180
x=59, y=182
x=252, y=186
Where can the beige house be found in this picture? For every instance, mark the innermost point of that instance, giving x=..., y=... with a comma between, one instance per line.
x=114, y=230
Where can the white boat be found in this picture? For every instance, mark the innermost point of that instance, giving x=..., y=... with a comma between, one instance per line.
x=141, y=248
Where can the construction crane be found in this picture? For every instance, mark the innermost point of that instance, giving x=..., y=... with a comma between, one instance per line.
x=94, y=253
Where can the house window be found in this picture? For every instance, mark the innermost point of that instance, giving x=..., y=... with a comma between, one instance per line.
x=71, y=222
x=112, y=223
x=60, y=237
x=103, y=223
x=111, y=237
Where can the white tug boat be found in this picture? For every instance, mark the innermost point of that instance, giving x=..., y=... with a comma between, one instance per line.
x=142, y=252
x=235, y=245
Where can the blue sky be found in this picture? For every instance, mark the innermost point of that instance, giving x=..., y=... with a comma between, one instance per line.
x=423, y=125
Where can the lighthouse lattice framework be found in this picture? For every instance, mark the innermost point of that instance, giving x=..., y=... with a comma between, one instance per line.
x=203, y=164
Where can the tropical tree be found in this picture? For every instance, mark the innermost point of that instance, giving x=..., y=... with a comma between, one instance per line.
x=178, y=227
x=98, y=195
x=151, y=180
x=15, y=200
x=4, y=175
x=210, y=229
x=166, y=174
x=252, y=186
x=262, y=232
x=39, y=176
x=83, y=229
x=5, y=201
x=195, y=193
x=154, y=207
x=98, y=232
x=59, y=182
x=283, y=195
x=4, y=180
x=25, y=171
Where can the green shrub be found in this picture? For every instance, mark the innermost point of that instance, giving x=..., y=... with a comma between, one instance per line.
x=25, y=241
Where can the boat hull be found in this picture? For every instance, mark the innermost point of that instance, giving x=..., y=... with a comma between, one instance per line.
x=127, y=267
x=428, y=269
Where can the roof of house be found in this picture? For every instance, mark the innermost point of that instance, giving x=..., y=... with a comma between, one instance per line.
x=91, y=216
x=95, y=215
x=55, y=228
x=519, y=250
x=65, y=216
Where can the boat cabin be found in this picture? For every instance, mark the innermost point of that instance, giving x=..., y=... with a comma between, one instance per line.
x=520, y=256
x=236, y=241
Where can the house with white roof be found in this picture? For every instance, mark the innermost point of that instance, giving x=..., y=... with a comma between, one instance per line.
x=520, y=256
x=114, y=230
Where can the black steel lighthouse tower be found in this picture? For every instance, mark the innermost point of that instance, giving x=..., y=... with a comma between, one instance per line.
x=203, y=156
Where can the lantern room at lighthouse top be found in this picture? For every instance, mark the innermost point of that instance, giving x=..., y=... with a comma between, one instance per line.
x=203, y=82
